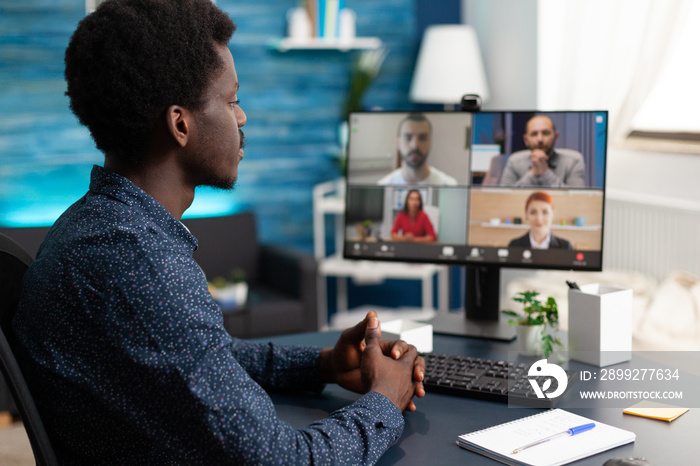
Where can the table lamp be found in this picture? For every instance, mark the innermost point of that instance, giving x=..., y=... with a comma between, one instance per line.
x=449, y=65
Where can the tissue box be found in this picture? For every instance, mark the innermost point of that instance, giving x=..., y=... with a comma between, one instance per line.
x=418, y=334
x=600, y=325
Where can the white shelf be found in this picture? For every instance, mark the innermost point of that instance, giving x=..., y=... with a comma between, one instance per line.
x=322, y=43
x=332, y=205
x=365, y=272
x=370, y=272
x=525, y=226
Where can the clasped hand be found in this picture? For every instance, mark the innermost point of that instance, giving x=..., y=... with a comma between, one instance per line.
x=361, y=362
x=539, y=165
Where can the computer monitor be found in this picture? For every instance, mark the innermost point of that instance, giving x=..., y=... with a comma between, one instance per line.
x=485, y=190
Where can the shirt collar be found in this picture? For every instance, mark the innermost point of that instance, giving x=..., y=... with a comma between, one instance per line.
x=543, y=245
x=108, y=183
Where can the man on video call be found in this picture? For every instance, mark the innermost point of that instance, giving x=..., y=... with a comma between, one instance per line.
x=121, y=343
x=413, y=145
x=542, y=165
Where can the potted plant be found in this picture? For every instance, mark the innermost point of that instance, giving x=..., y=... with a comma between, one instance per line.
x=232, y=293
x=367, y=225
x=536, y=324
x=364, y=230
x=363, y=73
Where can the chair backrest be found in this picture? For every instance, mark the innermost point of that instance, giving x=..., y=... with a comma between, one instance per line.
x=14, y=262
x=493, y=175
x=227, y=243
x=30, y=238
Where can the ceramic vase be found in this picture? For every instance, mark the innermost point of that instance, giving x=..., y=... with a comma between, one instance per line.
x=529, y=338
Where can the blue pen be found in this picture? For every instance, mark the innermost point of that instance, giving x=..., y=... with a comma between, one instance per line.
x=566, y=433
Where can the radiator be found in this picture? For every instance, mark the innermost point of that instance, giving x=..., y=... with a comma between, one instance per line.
x=652, y=235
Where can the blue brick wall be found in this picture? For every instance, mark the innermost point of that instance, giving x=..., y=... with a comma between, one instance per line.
x=292, y=100
x=44, y=154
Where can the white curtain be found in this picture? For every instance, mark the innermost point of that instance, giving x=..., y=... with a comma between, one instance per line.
x=605, y=54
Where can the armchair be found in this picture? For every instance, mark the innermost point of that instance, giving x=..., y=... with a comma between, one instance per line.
x=282, y=296
x=282, y=282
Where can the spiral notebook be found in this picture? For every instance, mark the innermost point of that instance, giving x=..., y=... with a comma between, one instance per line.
x=498, y=442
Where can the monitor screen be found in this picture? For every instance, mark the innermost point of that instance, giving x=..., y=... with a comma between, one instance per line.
x=504, y=189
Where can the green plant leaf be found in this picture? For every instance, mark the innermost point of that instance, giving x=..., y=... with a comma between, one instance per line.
x=218, y=282
x=534, y=311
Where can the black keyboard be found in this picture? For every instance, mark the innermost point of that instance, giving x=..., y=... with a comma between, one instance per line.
x=484, y=379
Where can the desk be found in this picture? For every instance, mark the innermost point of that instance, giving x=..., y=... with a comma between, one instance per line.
x=430, y=432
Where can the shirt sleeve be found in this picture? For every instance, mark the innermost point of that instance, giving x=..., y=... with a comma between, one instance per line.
x=243, y=417
x=517, y=173
x=509, y=177
x=548, y=179
x=572, y=176
x=577, y=176
x=206, y=374
x=277, y=367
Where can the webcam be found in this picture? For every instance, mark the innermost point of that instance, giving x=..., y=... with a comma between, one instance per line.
x=470, y=103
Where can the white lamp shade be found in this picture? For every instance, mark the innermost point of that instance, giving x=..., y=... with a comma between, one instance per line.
x=449, y=65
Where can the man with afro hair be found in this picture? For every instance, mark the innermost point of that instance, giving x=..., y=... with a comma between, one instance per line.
x=119, y=339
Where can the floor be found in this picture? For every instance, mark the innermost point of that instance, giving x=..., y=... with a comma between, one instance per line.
x=15, y=449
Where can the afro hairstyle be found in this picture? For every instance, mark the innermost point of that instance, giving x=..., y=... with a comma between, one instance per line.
x=129, y=60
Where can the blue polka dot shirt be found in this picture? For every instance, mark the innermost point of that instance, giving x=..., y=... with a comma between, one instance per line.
x=128, y=360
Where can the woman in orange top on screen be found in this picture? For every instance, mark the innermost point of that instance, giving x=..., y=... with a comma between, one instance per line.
x=411, y=223
x=539, y=212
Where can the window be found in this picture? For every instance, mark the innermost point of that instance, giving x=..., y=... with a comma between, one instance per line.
x=635, y=58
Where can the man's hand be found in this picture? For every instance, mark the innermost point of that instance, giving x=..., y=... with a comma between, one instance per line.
x=539, y=165
x=393, y=377
x=342, y=363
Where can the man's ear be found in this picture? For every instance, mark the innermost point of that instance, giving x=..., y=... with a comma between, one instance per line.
x=177, y=120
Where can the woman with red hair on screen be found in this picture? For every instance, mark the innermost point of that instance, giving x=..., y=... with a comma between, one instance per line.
x=411, y=223
x=539, y=212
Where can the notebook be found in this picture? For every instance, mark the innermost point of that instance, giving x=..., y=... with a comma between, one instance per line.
x=498, y=442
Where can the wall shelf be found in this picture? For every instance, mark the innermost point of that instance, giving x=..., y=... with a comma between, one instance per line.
x=525, y=226
x=321, y=43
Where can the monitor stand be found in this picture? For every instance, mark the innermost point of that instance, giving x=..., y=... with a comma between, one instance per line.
x=482, y=319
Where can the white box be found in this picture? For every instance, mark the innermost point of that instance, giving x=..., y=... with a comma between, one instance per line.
x=600, y=325
x=418, y=334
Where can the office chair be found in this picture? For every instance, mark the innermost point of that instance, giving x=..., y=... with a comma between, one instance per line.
x=14, y=262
